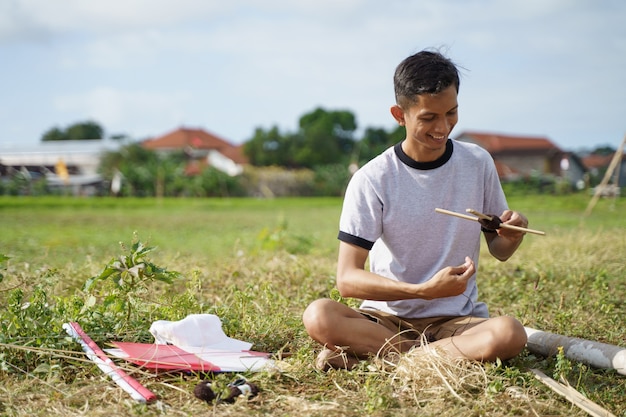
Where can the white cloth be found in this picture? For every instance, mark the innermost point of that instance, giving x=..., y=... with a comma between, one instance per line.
x=196, y=333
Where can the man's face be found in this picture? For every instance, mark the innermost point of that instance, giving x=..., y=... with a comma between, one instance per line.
x=429, y=123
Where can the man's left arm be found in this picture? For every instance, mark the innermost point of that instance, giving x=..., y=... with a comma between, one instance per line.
x=503, y=242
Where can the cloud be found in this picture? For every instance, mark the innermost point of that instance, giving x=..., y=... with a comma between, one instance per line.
x=116, y=109
x=29, y=19
x=233, y=66
x=99, y=17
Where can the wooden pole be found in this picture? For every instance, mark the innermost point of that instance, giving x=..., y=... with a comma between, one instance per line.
x=607, y=176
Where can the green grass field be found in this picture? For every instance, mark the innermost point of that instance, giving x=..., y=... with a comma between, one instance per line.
x=257, y=264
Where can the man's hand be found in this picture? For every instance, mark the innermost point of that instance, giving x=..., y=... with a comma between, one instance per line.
x=505, y=242
x=450, y=281
x=512, y=218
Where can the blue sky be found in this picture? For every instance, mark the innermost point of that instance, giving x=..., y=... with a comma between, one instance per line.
x=554, y=68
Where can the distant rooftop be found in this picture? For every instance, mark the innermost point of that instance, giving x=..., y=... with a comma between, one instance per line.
x=83, y=153
x=496, y=143
x=59, y=146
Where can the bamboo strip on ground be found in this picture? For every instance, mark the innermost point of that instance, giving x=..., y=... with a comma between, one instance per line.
x=572, y=396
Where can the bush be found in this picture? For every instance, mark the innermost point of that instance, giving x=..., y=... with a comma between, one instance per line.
x=277, y=182
x=331, y=180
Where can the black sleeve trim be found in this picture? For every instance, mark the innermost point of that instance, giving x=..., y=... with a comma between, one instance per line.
x=355, y=240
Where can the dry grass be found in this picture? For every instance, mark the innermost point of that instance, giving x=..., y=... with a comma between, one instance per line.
x=559, y=283
x=437, y=385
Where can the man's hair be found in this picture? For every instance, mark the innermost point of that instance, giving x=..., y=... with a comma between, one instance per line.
x=426, y=72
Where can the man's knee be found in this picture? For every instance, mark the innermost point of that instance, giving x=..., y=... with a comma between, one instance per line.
x=315, y=317
x=510, y=336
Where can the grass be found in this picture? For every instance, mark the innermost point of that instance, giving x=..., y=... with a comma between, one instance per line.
x=257, y=264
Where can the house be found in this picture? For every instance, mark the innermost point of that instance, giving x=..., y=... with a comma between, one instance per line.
x=598, y=166
x=65, y=164
x=203, y=149
x=519, y=157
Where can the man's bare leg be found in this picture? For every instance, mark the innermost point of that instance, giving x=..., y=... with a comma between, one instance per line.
x=347, y=335
x=499, y=337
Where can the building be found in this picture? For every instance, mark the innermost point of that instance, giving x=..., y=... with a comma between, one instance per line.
x=68, y=163
x=73, y=164
x=203, y=149
x=518, y=157
x=598, y=166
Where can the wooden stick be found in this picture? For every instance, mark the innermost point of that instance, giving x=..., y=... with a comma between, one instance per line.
x=572, y=395
x=455, y=214
x=484, y=216
x=504, y=225
x=522, y=229
x=479, y=214
x=617, y=156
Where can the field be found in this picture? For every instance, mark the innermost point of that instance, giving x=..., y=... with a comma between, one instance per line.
x=257, y=264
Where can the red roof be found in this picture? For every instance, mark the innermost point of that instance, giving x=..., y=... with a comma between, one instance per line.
x=184, y=138
x=181, y=138
x=497, y=143
x=597, y=161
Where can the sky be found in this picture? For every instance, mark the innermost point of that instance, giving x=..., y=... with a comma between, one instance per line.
x=142, y=68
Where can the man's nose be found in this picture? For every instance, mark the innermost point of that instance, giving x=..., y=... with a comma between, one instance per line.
x=442, y=125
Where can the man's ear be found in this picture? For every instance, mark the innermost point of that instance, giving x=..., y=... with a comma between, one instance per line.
x=398, y=114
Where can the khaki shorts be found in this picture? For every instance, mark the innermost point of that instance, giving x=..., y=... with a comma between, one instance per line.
x=434, y=328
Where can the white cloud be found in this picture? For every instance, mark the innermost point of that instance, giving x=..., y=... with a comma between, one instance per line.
x=116, y=109
x=22, y=18
x=237, y=65
x=123, y=51
x=103, y=17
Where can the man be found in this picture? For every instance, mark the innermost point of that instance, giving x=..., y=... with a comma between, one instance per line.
x=422, y=265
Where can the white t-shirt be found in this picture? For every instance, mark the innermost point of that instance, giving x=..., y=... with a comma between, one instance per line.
x=389, y=207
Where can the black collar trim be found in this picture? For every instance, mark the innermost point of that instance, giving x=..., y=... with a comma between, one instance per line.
x=407, y=160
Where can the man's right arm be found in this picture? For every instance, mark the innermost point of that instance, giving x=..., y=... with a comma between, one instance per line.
x=354, y=281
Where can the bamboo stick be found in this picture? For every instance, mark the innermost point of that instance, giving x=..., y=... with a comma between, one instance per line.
x=572, y=395
x=484, y=216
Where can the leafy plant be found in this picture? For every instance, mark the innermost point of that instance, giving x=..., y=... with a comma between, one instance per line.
x=3, y=258
x=562, y=366
x=280, y=239
x=130, y=276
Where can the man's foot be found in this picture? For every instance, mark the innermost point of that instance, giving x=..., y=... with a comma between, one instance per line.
x=331, y=359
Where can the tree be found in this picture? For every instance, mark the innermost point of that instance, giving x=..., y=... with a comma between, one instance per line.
x=85, y=131
x=88, y=130
x=603, y=150
x=141, y=169
x=374, y=141
x=53, y=134
x=326, y=137
x=267, y=148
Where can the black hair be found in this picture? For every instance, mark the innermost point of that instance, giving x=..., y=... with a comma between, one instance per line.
x=426, y=72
